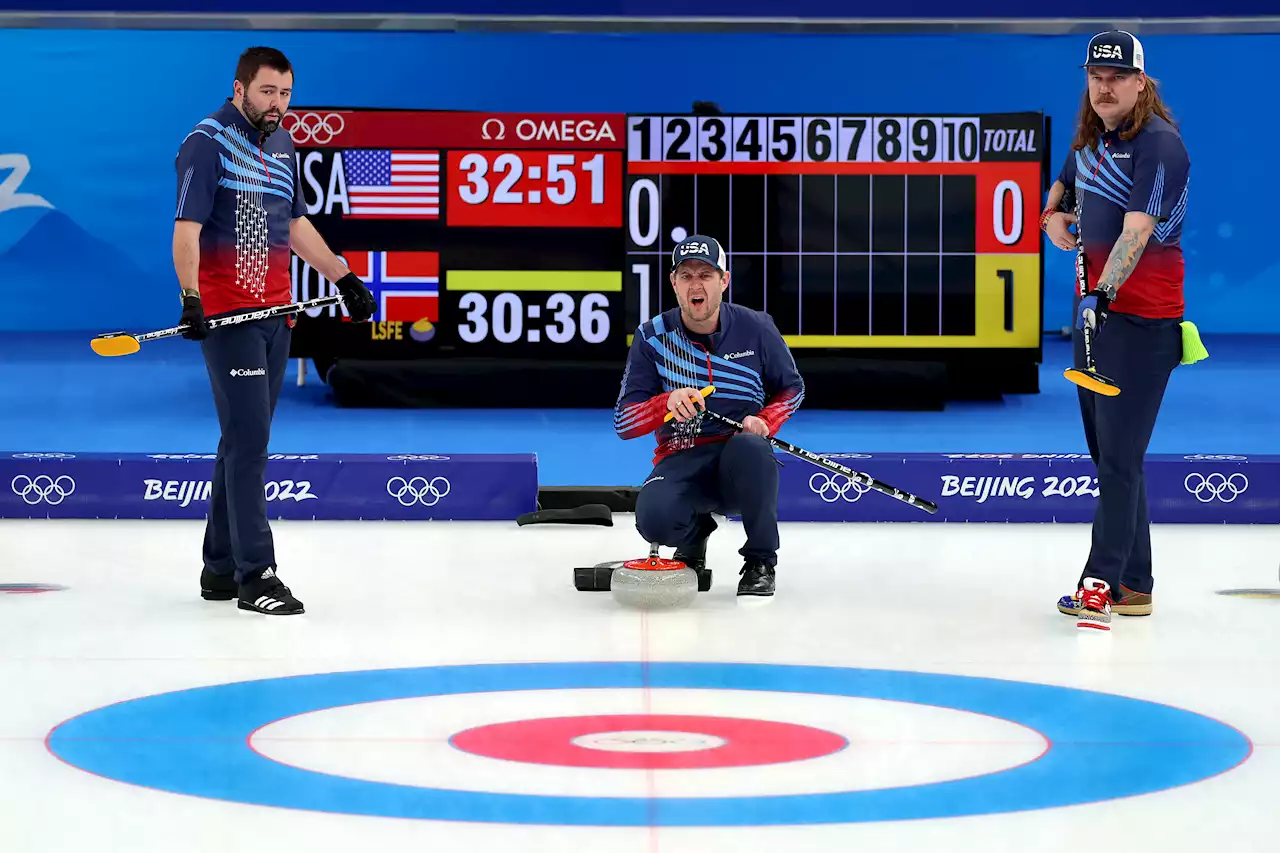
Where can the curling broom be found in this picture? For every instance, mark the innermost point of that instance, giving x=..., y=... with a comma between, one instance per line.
x=1089, y=378
x=123, y=343
x=823, y=462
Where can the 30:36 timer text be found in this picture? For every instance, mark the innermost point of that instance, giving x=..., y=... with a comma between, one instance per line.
x=560, y=318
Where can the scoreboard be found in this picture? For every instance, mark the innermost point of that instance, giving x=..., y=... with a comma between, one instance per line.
x=880, y=232
x=544, y=238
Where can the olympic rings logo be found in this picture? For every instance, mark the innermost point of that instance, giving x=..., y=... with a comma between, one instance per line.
x=419, y=457
x=43, y=489
x=1216, y=486
x=44, y=456
x=314, y=127
x=418, y=490
x=1211, y=457
x=831, y=489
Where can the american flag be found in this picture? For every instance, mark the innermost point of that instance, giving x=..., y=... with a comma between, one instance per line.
x=383, y=184
x=406, y=285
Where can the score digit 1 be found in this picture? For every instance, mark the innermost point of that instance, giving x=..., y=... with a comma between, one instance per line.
x=566, y=189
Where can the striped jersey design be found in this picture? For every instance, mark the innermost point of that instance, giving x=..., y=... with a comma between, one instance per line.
x=1147, y=174
x=243, y=188
x=747, y=361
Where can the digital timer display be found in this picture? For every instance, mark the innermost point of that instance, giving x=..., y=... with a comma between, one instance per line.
x=549, y=235
x=536, y=189
x=527, y=230
x=558, y=307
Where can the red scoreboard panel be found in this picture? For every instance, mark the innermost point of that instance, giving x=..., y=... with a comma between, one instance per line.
x=480, y=234
x=545, y=237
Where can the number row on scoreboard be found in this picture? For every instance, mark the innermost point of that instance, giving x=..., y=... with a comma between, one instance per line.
x=811, y=139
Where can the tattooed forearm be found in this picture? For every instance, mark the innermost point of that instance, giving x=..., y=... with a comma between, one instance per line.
x=1124, y=257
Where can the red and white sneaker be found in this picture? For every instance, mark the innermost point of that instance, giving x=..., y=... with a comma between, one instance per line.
x=1094, y=613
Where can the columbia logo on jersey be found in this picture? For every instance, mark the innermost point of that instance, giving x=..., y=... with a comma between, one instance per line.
x=743, y=354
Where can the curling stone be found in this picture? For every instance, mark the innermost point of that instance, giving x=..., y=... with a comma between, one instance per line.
x=596, y=578
x=654, y=583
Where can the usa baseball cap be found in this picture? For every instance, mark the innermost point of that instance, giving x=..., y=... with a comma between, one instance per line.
x=700, y=248
x=1116, y=49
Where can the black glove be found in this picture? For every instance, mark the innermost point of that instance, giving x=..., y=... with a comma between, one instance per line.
x=356, y=297
x=1092, y=311
x=193, y=316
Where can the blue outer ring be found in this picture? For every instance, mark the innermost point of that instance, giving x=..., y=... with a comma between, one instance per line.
x=196, y=742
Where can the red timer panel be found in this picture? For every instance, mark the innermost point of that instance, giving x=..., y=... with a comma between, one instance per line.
x=523, y=189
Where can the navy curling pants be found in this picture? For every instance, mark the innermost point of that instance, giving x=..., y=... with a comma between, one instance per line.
x=734, y=477
x=1138, y=354
x=246, y=364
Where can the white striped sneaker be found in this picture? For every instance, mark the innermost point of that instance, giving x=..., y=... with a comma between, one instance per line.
x=267, y=594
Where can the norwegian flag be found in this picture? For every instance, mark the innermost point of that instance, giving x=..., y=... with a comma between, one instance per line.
x=384, y=184
x=406, y=285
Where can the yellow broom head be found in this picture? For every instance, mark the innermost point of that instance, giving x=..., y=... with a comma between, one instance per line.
x=115, y=345
x=1092, y=381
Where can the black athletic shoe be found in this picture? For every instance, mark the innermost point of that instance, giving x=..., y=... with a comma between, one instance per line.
x=215, y=587
x=695, y=556
x=757, y=579
x=267, y=594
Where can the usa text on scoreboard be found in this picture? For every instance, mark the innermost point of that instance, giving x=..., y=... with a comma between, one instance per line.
x=546, y=235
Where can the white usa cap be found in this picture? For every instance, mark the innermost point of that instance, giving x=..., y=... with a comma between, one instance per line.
x=700, y=248
x=1116, y=49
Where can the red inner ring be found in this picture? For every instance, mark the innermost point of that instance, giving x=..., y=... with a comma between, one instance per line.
x=549, y=741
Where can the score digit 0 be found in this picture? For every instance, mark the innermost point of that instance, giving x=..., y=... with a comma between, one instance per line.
x=1007, y=207
x=644, y=191
x=1008, y=227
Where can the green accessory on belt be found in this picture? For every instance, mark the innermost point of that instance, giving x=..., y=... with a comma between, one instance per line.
x=1192, y=347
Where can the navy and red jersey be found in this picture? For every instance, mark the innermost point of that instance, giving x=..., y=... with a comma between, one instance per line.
x=1146, y=174
x=746, y=360
x=244, y=190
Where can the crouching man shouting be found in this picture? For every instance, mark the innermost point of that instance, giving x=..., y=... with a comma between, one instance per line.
x=704, y=466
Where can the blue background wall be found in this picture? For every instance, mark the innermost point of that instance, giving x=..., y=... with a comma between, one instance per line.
x=100, y=114
x=831, y=9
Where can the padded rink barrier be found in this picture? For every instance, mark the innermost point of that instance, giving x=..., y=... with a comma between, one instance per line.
x=1028, y=487
x=389, y=487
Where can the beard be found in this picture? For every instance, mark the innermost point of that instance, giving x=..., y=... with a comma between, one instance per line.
x=263, y=121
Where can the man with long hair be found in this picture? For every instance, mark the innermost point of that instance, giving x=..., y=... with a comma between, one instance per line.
x=1124, y=186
